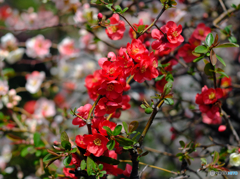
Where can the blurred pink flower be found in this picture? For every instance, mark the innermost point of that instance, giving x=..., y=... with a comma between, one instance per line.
x=38, y=47
x=3, y=87
x=34, y=81
x=67, y=48
x=44, y=108
x=11, y=99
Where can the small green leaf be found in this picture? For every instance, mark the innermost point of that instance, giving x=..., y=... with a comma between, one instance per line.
x=118, y=8
x=24, y=151
x=207, y=69
x=90, y=165
x=169, y=77
x=209, y=39
x=49, y=157
x=111, y=144
x=70, y=166
x=109, y=6
x=125, y=126
x=64, y=137
x=125, y=9
x=38, y=153
x=67, y=160
x=182, y=143
x=66, y=145
x=221, y=60
x=73, y=150
x=225, y=45
x=232, y=39
x=143, y=106
x=100, y=166
x=37, y=139
x=133, y=126
x=83, y=165
x=117, y=130
x=167, y=88
x=124, y=141
x=201, y=49
x=109, y=132
x=215, y=157
x=169, y=101
x=204, y=161
x=159, y=78
x=224, y=74
x=141, y=28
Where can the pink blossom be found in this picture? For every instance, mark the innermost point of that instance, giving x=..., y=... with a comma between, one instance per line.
x=3, y=87
x=11, y=99
x=38, y=47
x=34, y=81
x=45, y=108
x=67, y=48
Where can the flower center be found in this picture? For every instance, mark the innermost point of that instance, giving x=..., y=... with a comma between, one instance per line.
x=110, y=87
x=175, y=34
x=212, y=95
x=97, y=141
x=143, y=69
x=114, y=28
x=135, y=51
x=94, y=80
x=224, y=85
x=201, y=32
x=112, y=70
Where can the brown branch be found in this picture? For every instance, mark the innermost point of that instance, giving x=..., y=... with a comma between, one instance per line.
x=222, y=16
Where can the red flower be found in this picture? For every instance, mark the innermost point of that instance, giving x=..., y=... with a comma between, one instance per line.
x=225, y=84
x=146, y=69
x=201, y=32
x=186, y=53
x=96, y=144
x=128, y=170
x=116, y=28
x=75, y=161
x=79, y=142
x=106, y=106
x=30, y=106
x=171, y=39
x=83, y=111
x=110, y=70
x=112, y=89
x=214, y=119
x=135, y=48
x=109, y=124
x=133, y=34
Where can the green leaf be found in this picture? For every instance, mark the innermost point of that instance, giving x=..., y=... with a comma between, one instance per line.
x=167, y=88
x=37, y=139
x=232, y=39
x=108, y=160
x=83, y=165
x=169, y=78
x=169, y=101
x=66, y=145
x=125, y=9
x=143, y=106
x=159, y=78
x=90, y=165
x=215, y=157
x=226, y=45
x=221, y=60
x=118, y=8
x=109, y=6
x=207, y=69
x=100, y=166
x=141, y=28
x=117, y=130
x=24, y=151
x=73, y=150
x=38, y=153
x=133, y=126
x=109, y=132
x=124, y=141
x=70, y=166
x=182, y=143
x=111, y=144
x=125, y=126
x=64, y=137
x=209, y=39
x=9, y=72
x=224, y=74
x=67, y=160
x=201, y=49
x=204, y=161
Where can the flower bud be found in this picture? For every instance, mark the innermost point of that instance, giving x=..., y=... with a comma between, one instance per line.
x=100, y=16
x=148, y=110
x=222, y=128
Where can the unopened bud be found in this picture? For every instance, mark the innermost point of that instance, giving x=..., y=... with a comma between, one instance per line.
x=100, y=16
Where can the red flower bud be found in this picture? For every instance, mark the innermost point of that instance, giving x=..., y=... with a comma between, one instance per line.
x=100, y=16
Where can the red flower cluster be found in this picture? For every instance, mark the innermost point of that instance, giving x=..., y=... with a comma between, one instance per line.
x=168, y=38
x=116, y=28
x=209, y=104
